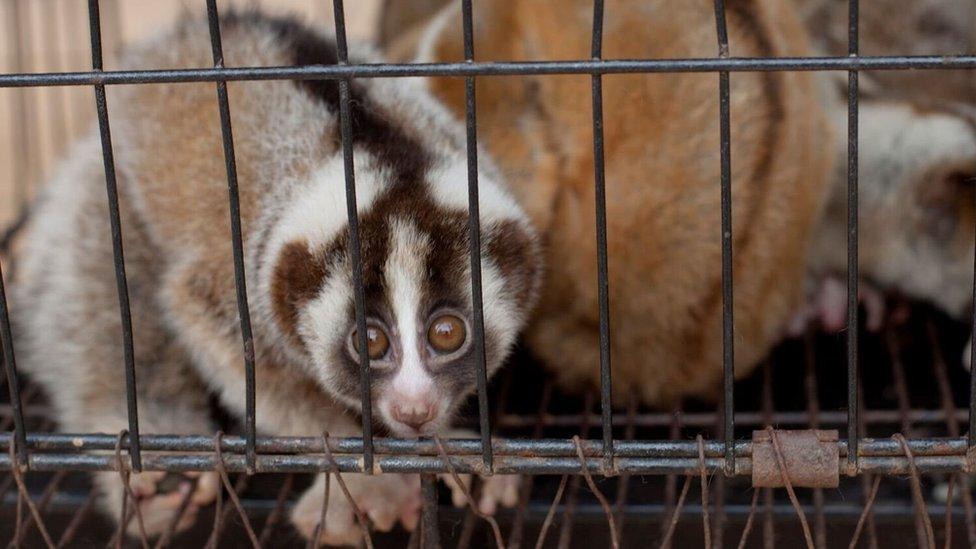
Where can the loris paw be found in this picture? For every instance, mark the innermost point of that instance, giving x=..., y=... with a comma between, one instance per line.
x=160, y=496
x=384, y=500
x=828, y=306
x=495, y=489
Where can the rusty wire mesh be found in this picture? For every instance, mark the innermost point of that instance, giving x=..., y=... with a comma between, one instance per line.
x=801, y=387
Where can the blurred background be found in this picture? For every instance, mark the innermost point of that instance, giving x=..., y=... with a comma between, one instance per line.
x=37, y=124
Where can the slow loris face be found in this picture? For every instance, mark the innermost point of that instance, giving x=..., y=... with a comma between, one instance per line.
x=917, y=201
x=416, y=275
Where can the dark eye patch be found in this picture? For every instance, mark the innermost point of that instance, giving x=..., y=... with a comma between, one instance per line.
x=299, y=274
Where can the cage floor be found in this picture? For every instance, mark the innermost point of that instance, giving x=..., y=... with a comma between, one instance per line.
x=911, y=380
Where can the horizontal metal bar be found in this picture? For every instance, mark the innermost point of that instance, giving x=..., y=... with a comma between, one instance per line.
x=503, y=464
x=59, y=442
x=388, y=70
x=889, y=511
x=382, y=464
x=742, y=419
x=537, y=448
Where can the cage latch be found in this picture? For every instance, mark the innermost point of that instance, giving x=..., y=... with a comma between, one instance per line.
x=809, y=458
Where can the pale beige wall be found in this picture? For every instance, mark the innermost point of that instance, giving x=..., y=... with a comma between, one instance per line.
x=52, y=35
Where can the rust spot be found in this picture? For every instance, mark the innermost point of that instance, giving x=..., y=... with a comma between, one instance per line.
x=811, y=459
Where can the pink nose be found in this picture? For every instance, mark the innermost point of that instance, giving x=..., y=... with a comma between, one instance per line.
x=414, y=413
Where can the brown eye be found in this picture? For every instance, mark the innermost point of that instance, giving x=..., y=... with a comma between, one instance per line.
x=376, y=342
x=446, y=334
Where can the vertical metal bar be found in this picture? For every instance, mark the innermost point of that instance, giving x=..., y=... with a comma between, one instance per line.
x=13, y=385
x=852, y=274
x=728, y=354
x=345, y=130
x=606, y=383
x=430, y=534
x=108, y=159
x=474, y=240
x=240, y=282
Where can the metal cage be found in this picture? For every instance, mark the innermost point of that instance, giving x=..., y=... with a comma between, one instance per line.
x=561, y=445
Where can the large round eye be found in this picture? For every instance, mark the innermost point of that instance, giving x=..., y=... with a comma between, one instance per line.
x=377, y=343
x=446, y=333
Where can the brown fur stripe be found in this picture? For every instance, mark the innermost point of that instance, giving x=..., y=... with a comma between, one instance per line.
x=372, y=127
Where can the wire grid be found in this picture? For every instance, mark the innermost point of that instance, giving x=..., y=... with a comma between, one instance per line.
x=800, y=387
x=722, y=454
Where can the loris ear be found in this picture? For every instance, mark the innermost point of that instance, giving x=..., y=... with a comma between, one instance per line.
x=297, y=276
x=515, y=250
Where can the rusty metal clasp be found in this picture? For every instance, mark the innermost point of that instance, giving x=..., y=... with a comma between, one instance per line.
x=811, y=458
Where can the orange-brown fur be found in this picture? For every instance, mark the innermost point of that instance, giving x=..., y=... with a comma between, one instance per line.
x=662, y=181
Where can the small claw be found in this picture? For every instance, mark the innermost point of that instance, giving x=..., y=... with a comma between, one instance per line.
x=798, y=323
x=488, y=504
x=145, y=484
x=511, y=495
x=383, y=519
x=169, y=500
x=832, y=305
x=410, y=517
x=206, y=490
x=189, y=517
x=874, y=305
x=410, y=510
x=499, y=489
x=458, y=497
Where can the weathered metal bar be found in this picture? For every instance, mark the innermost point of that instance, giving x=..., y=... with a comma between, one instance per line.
x=648, y=449
x=513, y=68
x=471, y=464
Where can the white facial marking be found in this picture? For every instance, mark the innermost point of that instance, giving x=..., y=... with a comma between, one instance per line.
x=318, y=211
x=326, y=317
x=501, y=315
x=404, y=271
x=449, y=188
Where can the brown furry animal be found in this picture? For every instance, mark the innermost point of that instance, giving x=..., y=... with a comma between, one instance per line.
x=662, y=180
